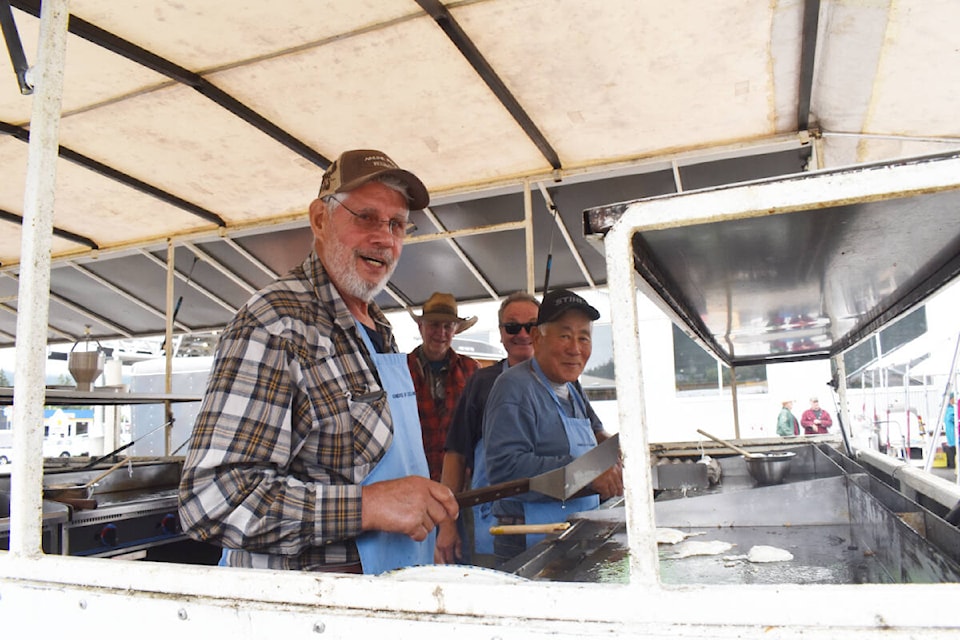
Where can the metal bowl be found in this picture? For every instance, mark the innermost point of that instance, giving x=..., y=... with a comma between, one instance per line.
x=769, y=468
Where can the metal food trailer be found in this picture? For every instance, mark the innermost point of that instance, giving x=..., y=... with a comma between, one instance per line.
x=873, y=550
x=860, y=541
x=718, y=264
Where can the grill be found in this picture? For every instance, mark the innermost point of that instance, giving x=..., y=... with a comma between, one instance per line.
x=841, y=524
x=136, y=509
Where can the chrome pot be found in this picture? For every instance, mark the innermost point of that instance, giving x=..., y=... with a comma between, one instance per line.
x=769, y=468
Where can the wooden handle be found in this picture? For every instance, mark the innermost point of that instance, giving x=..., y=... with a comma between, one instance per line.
x=517, y=529
x=103, y=475
x=739, y=450
x=79, y=504
x=493, y=492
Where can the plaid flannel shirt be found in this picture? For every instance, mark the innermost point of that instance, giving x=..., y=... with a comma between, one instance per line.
x=294, y=418
x=435, y=418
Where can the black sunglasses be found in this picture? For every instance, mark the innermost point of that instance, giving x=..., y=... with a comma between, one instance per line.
x=513, y=328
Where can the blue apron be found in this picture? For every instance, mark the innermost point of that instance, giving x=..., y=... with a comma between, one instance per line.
x=483, y=517
x=381, y=551
x=580, y=434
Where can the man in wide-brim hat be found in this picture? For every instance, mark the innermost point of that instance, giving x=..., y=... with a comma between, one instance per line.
x=439, y=373
x=442, y=307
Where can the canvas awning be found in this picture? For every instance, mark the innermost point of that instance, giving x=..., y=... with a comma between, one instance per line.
x=205, y=127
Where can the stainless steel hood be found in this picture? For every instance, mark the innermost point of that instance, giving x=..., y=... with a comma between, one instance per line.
x=800, y=267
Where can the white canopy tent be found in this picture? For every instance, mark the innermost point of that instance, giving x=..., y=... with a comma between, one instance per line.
x=204, y=127
x=492, y=103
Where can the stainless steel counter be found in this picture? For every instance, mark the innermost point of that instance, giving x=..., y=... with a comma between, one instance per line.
x=840, y=524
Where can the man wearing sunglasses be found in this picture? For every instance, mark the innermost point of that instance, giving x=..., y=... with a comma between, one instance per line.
x=537, y=419
x=306, y=453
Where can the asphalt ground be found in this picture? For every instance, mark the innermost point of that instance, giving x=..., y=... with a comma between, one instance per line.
x=947, y=474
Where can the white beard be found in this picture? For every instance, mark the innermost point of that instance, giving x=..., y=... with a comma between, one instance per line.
x=341, y=267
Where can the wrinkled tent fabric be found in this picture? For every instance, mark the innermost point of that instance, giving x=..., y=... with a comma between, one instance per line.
x=207, y=127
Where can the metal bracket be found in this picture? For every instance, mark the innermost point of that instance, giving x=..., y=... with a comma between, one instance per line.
x=15, y=47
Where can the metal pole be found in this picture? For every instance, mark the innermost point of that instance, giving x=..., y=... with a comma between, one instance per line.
x=843, y=413
x=528, y=237
x=33, y=310
x=631, y=408
x=168, y=352
x=906, y=407
x=15, y=48
x=734, y=399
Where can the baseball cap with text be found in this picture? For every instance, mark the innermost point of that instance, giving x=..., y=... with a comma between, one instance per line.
x=359, y=166
x=559, y=301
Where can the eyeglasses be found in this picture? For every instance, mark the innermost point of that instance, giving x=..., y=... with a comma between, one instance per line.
x=368, y=222
x=437, y=325
x=513, y=328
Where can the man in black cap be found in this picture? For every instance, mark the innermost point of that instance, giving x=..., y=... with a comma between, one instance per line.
x=537, y=419
x=306, y=453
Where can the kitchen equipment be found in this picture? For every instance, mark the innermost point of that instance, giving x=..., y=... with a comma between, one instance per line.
x=562, y=484
x=770, y=468
x=443, y=573
x=136, y=512
x=680, y=474
x=740, y=450
x=80, y=492
x=85, y=366
x=766, y=468
x=523, y=529
x=808, y=517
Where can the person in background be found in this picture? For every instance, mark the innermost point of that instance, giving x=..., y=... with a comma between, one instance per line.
x=537, y=419
x=815, y=420
x=950, y=431
x=787, y=424
x=306, y=453
x=470, y=541
x=439, y=373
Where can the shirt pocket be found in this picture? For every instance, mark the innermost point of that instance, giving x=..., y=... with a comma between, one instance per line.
x=372, y=433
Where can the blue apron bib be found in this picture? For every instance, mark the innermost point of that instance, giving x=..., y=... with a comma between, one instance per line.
x=580, y=434
x=483, y=517
x=381, y=551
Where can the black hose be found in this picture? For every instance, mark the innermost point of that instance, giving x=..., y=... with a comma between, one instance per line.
x=553, y=228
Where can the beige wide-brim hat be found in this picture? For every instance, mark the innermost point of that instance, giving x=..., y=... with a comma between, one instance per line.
x=442, y=307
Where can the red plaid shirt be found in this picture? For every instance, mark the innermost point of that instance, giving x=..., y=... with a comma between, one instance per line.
x=435, y=417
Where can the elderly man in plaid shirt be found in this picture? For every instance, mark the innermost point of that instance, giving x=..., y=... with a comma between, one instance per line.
x=306, y=453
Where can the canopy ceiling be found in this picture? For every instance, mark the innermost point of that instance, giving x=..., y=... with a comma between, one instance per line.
x=204, y=127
